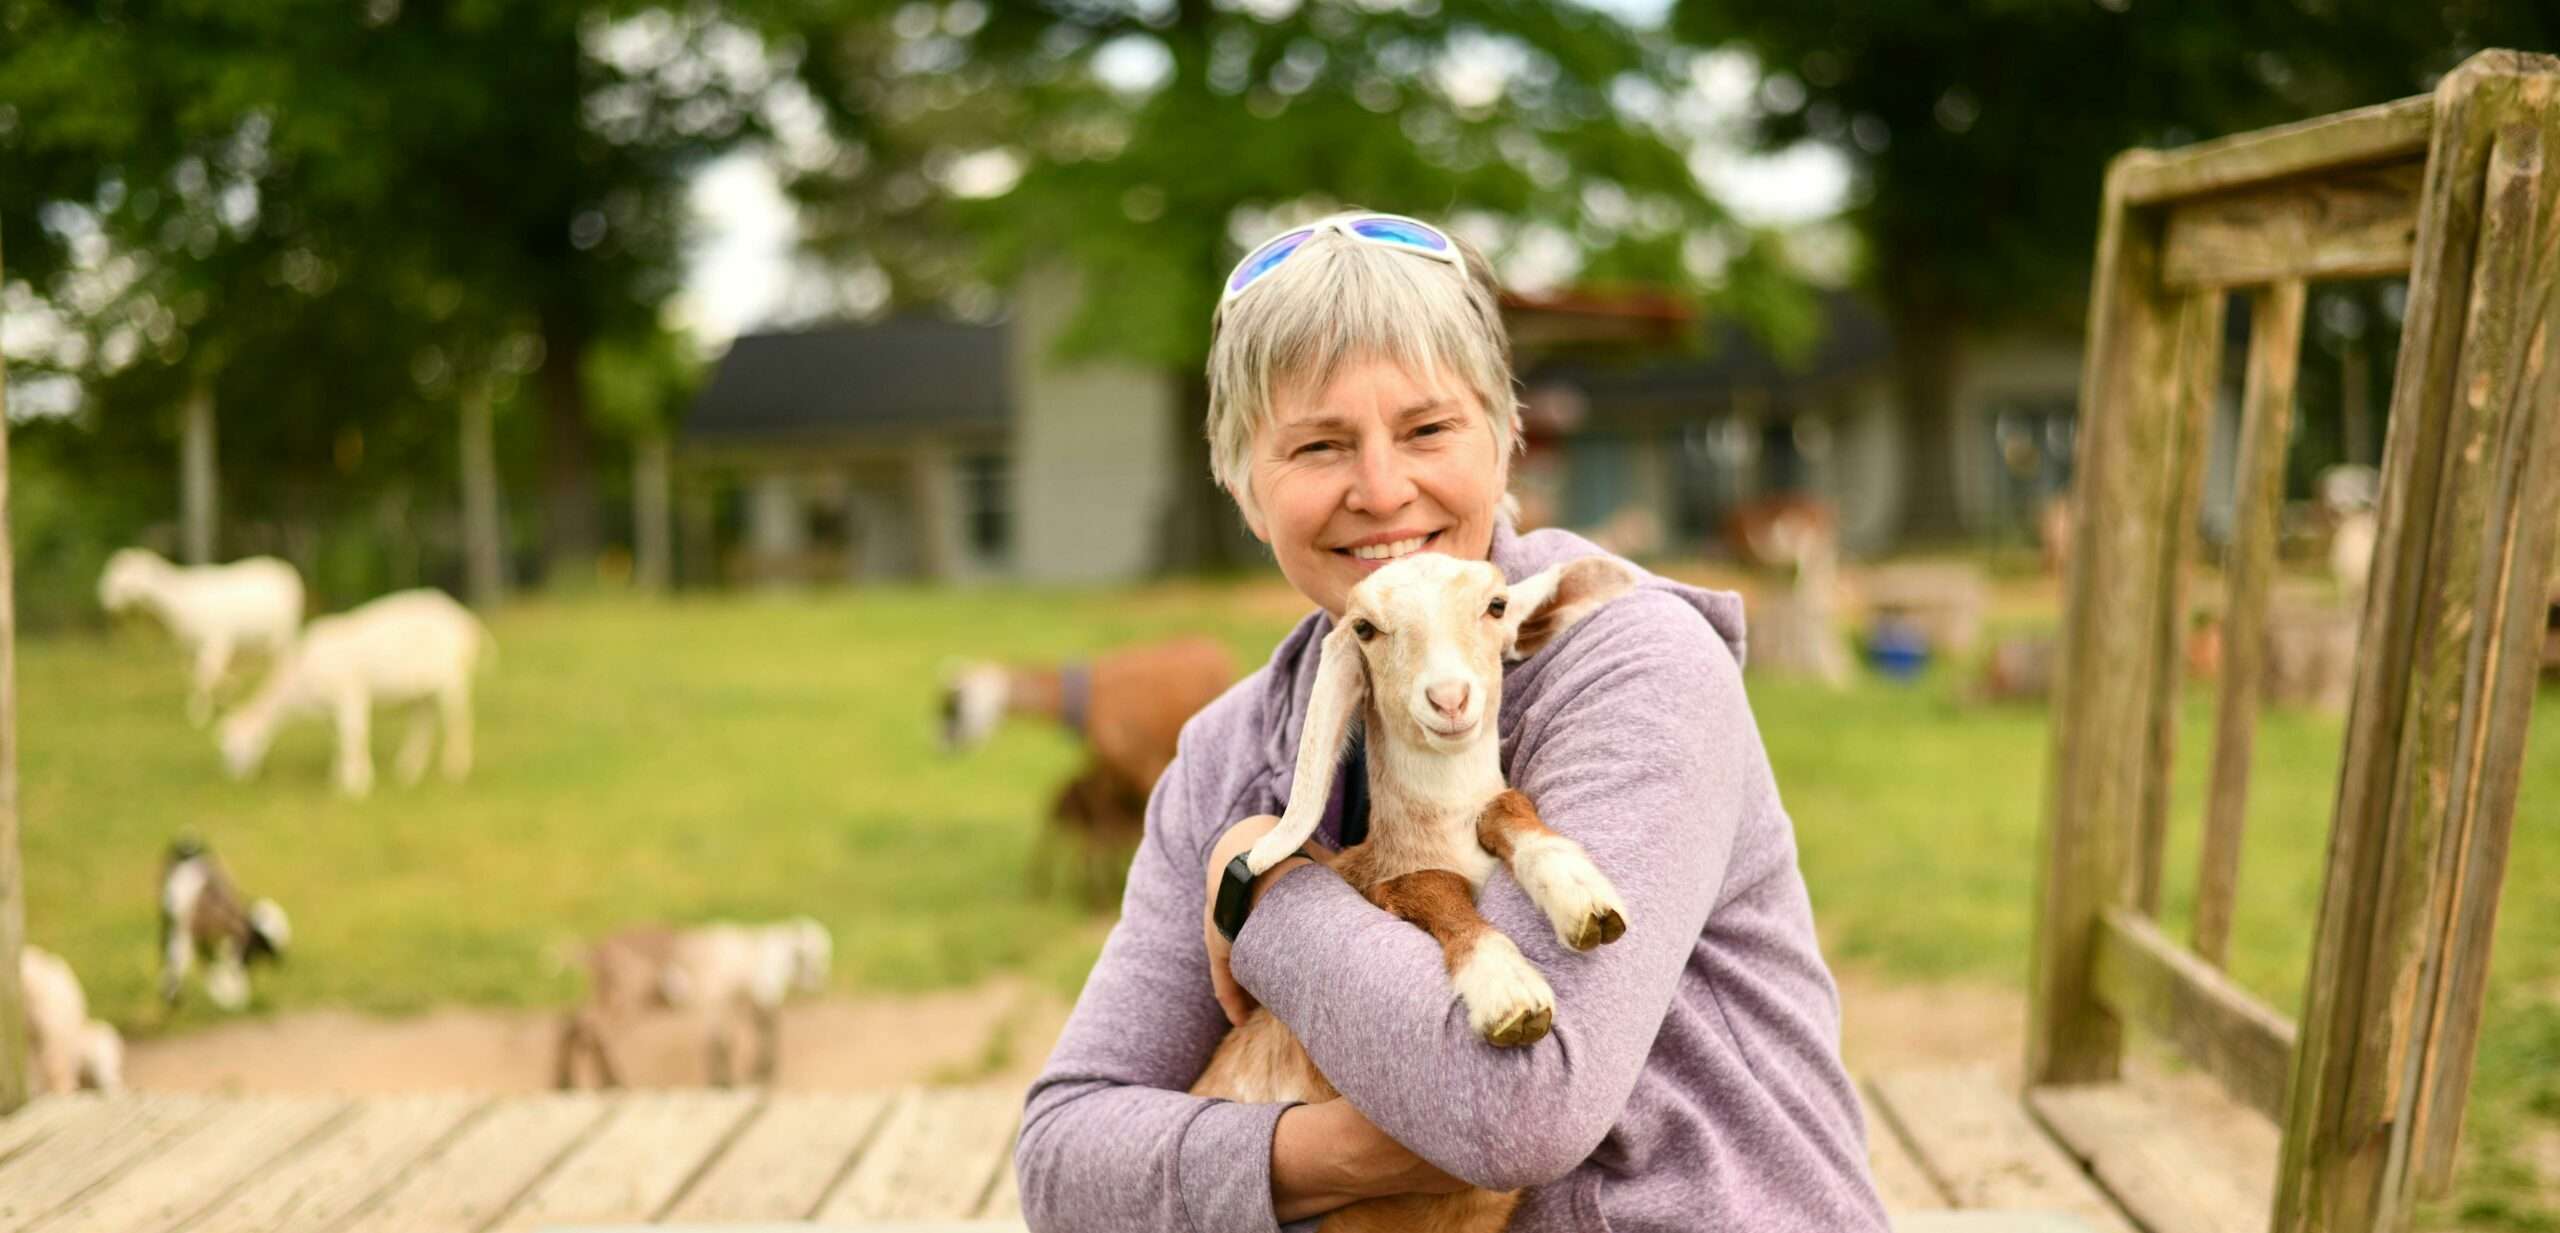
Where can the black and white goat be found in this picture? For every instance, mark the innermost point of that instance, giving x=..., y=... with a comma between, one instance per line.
x=203, y=914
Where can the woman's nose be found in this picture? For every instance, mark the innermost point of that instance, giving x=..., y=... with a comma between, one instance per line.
x=1383, y=486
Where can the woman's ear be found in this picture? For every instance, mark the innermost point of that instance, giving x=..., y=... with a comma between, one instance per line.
x=1547, y=603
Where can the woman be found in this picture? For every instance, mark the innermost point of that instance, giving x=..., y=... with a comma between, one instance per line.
x=1361, y=408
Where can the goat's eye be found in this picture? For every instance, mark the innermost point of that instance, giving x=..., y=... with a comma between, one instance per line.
x=1495, y=608
x=1363, y=629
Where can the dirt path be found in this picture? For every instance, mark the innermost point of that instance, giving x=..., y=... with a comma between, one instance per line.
x=995, y=1033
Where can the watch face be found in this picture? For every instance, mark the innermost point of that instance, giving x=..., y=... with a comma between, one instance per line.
x=1235, y=897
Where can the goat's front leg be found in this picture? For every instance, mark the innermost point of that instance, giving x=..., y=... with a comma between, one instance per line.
x=1554, y=870
x=414, y=748
x=213, y=661
x=1507, y=1002
x=355, y=743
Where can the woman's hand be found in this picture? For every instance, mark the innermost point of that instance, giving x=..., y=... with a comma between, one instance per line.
x=1326, y=1155
x=1242, y=836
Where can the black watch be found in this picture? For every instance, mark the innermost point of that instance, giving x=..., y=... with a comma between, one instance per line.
x=1235, y=894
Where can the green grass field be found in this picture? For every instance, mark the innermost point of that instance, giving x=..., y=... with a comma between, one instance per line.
x=756, y=757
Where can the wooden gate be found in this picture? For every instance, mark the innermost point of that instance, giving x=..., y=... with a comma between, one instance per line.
x=2457, y=191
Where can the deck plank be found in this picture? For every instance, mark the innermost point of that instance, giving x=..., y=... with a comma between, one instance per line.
x=44, y=1116
x=654, y=1143
x=936, y=1157
x=780, y=1166
x=197, y=1167
x=90, y=1151
x=473, y=1179
x=2168, y=1181
x=1974, y=1139
x=339, y=1170
x=1900, y=1181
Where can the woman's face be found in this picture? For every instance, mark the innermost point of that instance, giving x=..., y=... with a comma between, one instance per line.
x=1375, y=465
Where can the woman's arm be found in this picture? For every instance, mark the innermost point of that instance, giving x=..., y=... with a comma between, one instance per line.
x=1111, y=1140
x=1641, y=747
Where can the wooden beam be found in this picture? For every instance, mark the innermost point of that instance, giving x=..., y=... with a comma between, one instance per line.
x=2242, y=1042
x=2188, y=406
x=2275, y=346
x=2366, y=135
x=2104, y=677
x=2361, y=223
x=328, y=1176
x=2409, y=785
x=13, y=903
x=2508, y=377
x=780, y=1167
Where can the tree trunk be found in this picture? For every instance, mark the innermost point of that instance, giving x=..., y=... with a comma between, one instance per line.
x=1927, y=358
x=653, y=558
x=199, y=496
x=484, y=560
x=13, y=907
x=1201, y=529
x=570, y=538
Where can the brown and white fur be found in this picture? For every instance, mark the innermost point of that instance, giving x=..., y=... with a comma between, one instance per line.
x=727, y=975
x=202, y=913
x=1418, y=660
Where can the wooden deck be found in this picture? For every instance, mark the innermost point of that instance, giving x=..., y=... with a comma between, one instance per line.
x=1953, y=1151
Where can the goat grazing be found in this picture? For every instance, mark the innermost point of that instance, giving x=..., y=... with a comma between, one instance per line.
x=417, y=647
x=214, y=611
x=1128, y=706
x=66, y=1048
x=725, y=973
x=203, y=914
x=1418, y=659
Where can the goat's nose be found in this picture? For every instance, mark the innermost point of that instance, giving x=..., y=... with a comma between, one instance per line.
x=1448, y=699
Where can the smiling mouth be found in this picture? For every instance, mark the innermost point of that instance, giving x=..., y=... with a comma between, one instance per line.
x=1380, y=554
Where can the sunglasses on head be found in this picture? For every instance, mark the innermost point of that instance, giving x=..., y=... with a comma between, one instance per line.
x=1385, y=230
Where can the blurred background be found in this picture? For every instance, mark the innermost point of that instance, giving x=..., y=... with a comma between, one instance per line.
x=751, y=368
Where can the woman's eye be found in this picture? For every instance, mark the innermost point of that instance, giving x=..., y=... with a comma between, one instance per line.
x=1434, y=430
x=1311, y=447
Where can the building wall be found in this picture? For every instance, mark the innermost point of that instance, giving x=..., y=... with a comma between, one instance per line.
x=2017, y=371
x=1093, y=453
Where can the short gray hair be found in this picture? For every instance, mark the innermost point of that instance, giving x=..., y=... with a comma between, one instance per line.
x=1336, y=300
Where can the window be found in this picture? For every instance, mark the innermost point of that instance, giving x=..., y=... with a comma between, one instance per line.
x=986, y=502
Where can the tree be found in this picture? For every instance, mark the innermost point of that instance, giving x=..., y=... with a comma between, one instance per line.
x=1980, y=132
x=1140, y=145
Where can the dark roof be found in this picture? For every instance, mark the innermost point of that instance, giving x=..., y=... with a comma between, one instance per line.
x=887, y=379
x=1854, y=342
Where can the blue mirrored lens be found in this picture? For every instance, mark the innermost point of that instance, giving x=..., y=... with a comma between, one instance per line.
x=1269, y=255
x=1398, y=231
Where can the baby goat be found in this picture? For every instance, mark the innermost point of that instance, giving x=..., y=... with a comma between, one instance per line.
x=721, y=972
x=66, y=1048
x=202, y=913
x=1418, y=659
x=212, y=610
x=417, y=647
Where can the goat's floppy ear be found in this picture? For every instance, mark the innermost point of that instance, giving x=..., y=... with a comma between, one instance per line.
x=1545, y=604
x=1342, y=685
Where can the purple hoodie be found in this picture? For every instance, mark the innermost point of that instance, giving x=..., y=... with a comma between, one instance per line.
x=1693, y=1079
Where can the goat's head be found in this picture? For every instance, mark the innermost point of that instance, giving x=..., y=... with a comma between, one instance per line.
x=973, y=702
x=129, y=576
x=244, y=735
x=269, y=932
x=1422, y=642
x=1432, y=633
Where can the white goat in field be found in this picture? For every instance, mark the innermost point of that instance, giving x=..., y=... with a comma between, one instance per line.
x=417, y=647
x=214, y=611
x=723, y=973
x=1418, y=661
x=66, y=1048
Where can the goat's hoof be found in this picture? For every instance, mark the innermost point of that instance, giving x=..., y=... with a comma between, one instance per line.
x=1598, y=929
x=1526, y=1028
